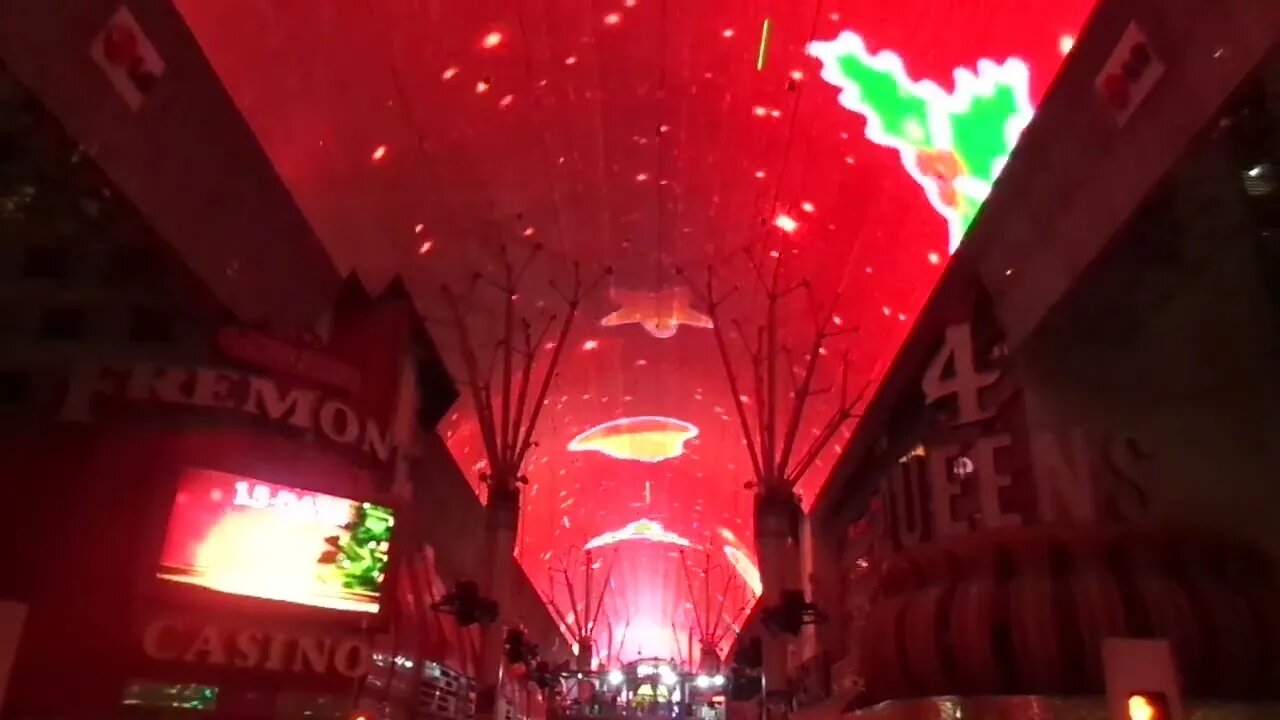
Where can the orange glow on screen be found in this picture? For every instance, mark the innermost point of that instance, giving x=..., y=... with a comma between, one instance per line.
x=659, y=312
x=646, y=438
x=241, y=536
x=1144, y=707
x=650, y=530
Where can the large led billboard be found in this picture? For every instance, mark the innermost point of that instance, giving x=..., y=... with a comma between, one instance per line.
x=242, y=536
x=851, y=142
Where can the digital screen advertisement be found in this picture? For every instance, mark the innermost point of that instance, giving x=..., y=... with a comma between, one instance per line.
x=243, y=536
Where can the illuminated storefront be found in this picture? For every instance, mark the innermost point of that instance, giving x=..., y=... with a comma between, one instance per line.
x=1039, y=489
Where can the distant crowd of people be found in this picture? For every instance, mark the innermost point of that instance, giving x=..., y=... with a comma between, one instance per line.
x=609, y=705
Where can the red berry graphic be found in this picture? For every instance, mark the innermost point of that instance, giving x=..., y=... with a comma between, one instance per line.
x=120, y=44
x=1116, y=89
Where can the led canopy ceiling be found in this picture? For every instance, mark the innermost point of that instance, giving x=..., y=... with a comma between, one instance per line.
x=847, y=143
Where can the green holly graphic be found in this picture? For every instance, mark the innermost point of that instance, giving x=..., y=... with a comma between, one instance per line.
x=953, y=144
x=358, y=555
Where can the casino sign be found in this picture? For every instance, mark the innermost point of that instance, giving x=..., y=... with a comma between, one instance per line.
x=227, y=389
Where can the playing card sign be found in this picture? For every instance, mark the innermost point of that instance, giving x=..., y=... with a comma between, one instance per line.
x=1129, y=75
x=128, y=58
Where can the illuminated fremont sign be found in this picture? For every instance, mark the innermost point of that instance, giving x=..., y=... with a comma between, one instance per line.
x=169, y=641
x=226, y=389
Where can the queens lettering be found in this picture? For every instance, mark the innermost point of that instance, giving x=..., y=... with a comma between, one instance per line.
x=169, y=641
x=221, y=388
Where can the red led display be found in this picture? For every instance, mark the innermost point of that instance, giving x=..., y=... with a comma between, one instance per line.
x=851, y=140
x=240, y=536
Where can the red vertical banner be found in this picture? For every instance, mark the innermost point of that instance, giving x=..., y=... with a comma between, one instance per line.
x=443, y=641
x=373, y=335
x=13, y=616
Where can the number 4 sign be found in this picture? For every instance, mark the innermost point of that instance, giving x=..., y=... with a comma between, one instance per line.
x=952, y=372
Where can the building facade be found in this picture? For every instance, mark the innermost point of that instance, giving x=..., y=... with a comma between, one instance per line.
x=1074, y=443
x=219, y=515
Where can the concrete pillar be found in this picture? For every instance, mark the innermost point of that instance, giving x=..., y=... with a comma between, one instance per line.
x=585, y=650
x=777, y=526
x=502, y=521
x=709, y=660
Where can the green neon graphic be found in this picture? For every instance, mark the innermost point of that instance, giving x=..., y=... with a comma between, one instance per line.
x=953, y=144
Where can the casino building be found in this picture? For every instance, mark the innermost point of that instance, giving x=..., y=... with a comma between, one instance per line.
x=209, y=516
x=1068, y=451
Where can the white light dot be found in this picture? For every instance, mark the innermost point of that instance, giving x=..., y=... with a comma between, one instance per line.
x=785, y=223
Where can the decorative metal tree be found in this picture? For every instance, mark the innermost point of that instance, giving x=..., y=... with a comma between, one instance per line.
x=581, y=620
x=507, y=395
x=615, y=634
x=783, y=391
x=714, y=616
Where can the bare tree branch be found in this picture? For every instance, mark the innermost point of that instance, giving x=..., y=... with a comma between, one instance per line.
x=736, y=623
x=608, y=575
x=675, y=634
x=526, y=369
x=713, y=311
x=762, y=406
x=573, y=604
x=508, y=336
x=688, y=581
x=506, y=430
x=473, y=377
x=554, y=606
x=770, y=443
x=802, y=396
x=714, y=639
x=842, y=414
x=573, y=300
